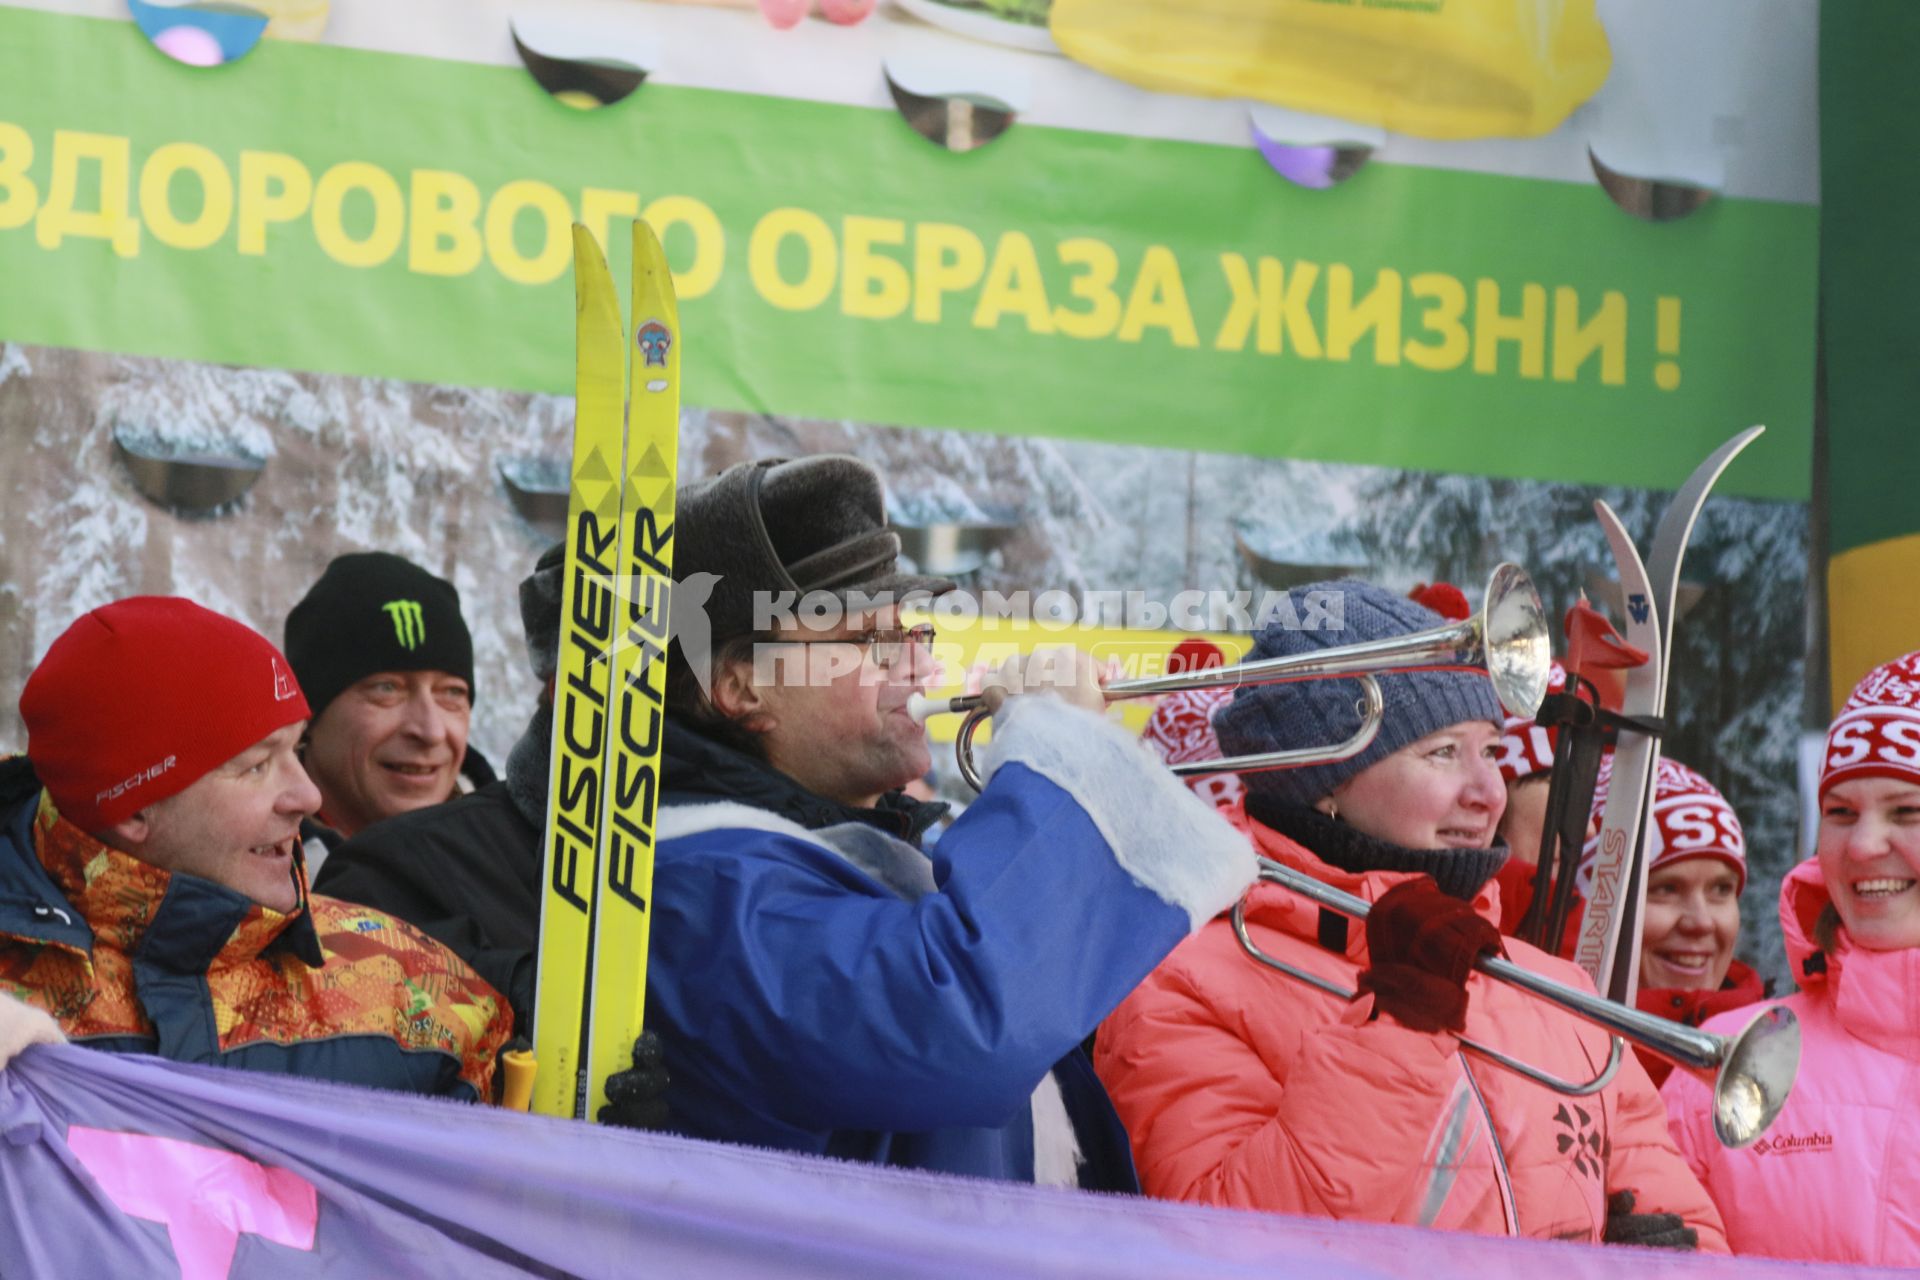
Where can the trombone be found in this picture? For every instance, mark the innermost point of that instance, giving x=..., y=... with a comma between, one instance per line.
x=1507, y=638
x=1751, y=1073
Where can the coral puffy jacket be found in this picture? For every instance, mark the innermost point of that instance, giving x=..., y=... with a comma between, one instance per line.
x=1834, y=1179
x=1245, y=1088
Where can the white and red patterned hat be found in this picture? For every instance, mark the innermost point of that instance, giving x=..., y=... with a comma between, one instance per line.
x=1877, y=734
x=1526, y=748
x=1180, y=731
x=1691, y=819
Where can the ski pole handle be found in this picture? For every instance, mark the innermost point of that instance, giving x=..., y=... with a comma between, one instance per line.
x=519, y=1066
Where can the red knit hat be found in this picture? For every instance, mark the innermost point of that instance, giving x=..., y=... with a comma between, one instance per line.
x=139, y=699
x=1877, y=734
x=1691, y=819
x=1526, y=748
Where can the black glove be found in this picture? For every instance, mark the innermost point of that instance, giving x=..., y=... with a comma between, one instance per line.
x=637, y=1097
x=1648, y=1230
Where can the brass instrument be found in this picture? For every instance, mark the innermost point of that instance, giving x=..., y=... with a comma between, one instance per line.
x=1751, y=1073
x=1507, y=638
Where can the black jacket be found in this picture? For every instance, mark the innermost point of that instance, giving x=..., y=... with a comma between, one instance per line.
x=467, y=873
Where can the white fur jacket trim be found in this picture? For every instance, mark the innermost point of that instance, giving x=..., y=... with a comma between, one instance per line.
x=1167, y=838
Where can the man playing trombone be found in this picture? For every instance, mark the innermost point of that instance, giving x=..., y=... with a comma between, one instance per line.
x=1241, y=1087
x=819, y=982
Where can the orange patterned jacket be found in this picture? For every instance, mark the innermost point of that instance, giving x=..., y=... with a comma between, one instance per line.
x=132, y=958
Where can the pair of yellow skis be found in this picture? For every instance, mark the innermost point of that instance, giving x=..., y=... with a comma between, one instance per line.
x=604, y=783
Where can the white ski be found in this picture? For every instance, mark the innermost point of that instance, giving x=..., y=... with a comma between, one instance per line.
x=1669, y=549
x=1635, y=757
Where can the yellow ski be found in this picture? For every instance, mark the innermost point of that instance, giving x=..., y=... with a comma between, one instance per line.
x=577, y=782
x=644, y=590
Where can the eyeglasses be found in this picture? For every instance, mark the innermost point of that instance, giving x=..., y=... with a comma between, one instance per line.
x=890, y=646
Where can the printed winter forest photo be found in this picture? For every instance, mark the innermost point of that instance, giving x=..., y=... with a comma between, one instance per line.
x=460, y=481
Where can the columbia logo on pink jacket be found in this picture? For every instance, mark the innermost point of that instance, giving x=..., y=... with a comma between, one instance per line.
x=1793, y=1144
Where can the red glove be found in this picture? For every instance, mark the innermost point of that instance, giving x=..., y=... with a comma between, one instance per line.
x=1423, y=944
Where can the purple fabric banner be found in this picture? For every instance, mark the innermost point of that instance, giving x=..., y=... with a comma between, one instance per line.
x=127, y=1166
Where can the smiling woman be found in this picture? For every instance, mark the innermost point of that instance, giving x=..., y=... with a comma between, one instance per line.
x=1851, y=916
x=1696, y=872
x=1243, y=1088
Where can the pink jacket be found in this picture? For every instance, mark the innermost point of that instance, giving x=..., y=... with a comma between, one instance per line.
x=1837, y=1177
x=1242, y=1087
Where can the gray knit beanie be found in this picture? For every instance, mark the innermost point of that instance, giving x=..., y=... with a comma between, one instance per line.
x=1306, y=713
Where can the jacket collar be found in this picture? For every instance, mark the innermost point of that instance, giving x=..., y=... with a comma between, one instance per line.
x=1694, y=1005
x=697, y=770
x=1460, y=873
x=1282, y=909
x=90, y=893
x=1871, y=991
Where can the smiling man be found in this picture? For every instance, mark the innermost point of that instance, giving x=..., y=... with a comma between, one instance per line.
x=385, y=656
x=152, y=893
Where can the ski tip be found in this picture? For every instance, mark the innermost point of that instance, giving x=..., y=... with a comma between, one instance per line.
x=652, y=277
x=588, y=262
x=645, y=241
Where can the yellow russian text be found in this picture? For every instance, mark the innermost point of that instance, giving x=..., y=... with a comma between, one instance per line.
x=763, y=259
x=872, y=285
x=946, y=259
x=1014, y=287
x=114, y=221
x=443, y=224
x=556, y=232
x=709, y=242
x=274, y=188
x=389, y=227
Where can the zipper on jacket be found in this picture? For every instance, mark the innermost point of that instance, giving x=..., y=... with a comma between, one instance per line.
x=1501, y=1177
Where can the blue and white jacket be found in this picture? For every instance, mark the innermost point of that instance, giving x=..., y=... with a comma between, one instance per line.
x=824, y=985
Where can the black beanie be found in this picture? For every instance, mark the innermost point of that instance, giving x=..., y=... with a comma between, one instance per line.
x=370, y=612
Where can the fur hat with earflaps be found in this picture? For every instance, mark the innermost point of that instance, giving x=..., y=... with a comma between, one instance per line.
x=786, y=528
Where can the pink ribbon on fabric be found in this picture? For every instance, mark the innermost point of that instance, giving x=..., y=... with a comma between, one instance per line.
x=204, y=1196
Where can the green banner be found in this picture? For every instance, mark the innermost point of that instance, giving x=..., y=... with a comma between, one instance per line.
x=327, y=209
x=1871, y=192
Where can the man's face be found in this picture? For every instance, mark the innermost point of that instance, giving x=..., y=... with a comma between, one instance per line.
x=836, y=710
x=237, y=825
x=388, y=744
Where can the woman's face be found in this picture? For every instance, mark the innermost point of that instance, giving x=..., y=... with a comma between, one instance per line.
x=1442, y=792
x=1869, y=850
x=1692, y=922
